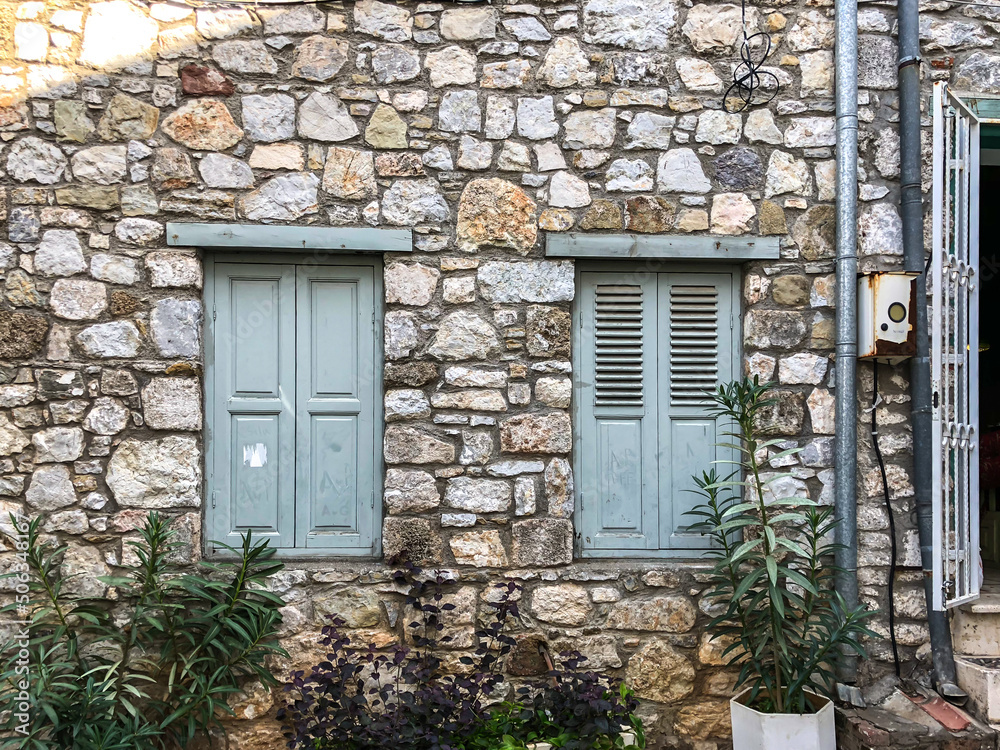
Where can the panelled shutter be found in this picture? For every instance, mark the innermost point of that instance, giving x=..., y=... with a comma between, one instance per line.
x=648, y=347
x=954, y=318
x=292, y=443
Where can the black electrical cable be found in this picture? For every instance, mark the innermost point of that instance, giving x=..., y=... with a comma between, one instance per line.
x=748, y=78
x=892, y=520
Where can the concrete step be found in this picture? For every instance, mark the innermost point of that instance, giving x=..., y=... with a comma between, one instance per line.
x=980, y=677
x=975, y=629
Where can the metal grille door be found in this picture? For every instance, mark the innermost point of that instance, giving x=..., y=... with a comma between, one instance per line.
x=955, y=351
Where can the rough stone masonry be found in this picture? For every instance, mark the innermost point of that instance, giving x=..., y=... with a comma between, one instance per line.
x=482, y=127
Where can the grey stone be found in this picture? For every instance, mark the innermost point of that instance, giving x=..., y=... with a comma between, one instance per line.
x=410, y=491
x=176, y=327
x=410, y=202
x=526, y=281
x=980, y=71
x=739, y=169
x=244, y=57
x=473, y=154
x=536, y=119
x=50, y=489
x=82, y=566
x=102, y=165
x=877, y=62
x=12, y=439
x=774, y=329
x=119, y=338
x=156, y=474
x=650, y=130
x=629, y=175
x=542, y=542
x=679, y=171
x=401, y=335
x=527, y=29
x=23, y=224
x=438, y=157
x=566, y=65
x=303, y=19
x=383, y=20
x=880, y=230
x=319, y=58
x=406, y=403
x=406, y=445
x=500, y=117
x=459, y=112
x=392, y=63
x=286, y=198
x=266, y=119
x=172, y=404
x=59, y=254
x=33, y=160
x=464, y=335
x=173, y=269
x=478, y=495
x=536, y=433
x=324, y=117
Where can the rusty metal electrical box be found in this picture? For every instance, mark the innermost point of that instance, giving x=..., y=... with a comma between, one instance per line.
x=887, y=317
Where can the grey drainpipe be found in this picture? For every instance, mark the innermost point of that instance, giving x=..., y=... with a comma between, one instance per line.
x=846, y=461
x=911, y=212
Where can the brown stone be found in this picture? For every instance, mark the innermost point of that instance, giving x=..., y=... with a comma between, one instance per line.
x=792, y=290
x=197, y=80
x=548, y=331
x=659, y=672
x=204, y=125
x=543, y=542
x=771, y=219
x=536, y=433
x=127, y=118
x=172, y=169
x=823, y=334
x=496, y=213
x=526, y=658
x=349, y=174
x=20, y=291
x=22, y=334
x=649, y=214
x=784, y=416
x=700, y=721
x=413, y=374
x=399, y=165
x=123, y=303
x=664, y=614
x=602, y=214
x=14, y=117
x=561, y=604
x=88, y=196
x=814, y=232
x=412, y=539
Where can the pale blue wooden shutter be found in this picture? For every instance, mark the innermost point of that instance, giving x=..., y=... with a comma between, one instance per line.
x=251, y=430
x=697, y=353
x=336, y=425
x=617, y=398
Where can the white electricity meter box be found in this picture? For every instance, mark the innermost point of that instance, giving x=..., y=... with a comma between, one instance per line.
x=887, y=317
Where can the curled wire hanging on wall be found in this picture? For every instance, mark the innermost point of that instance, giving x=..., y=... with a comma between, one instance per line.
x=751, y=86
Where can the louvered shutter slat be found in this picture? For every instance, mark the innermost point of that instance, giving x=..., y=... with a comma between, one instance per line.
x=618, y=352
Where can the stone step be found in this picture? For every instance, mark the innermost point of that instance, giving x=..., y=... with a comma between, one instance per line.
x=975, y=629
x=980, y=678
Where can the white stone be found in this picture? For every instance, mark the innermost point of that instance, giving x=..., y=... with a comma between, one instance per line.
x=470, y=377
x=698, y=75
x=464, y=335
x=222, y=22
x=718, y=127
x=467, y=24
x=32, y=159
x=460, y=112
x=514, y=157
x=478, y=495
x=817, y=73
x=451, y=66
x=155, y=474
x=566, y=190
x=59, y=254
x=50, y=489
x=410, y=491
x=116, y=269
x=58, y=444
x=760, y=127
x=880, y=230
x=732, y=213
x=78, y=299
x=303, y=19
x=629, y=175
x=633, y=24
x=136, y=231
x=473, y=154
x=244, y=57
x=679, y=171
x=438, y=157
x=401, y=335
x=410, y=202
x=117, y=35
x=392, y=63
x=12, y=439
x=31, y=42
x=383, y=20
x=268, y=118
x=108, y=416
x=786, y=174
x=527, y=29
x=526, y=281
x=536, y=118
x=221, y=171
x=811, y=132
x=410, y=284
x=590, y=129
x=650, y=130
x=286, y=197
x=821, y=411
x=500, y=117
x=802, y=368
x=718, y=28
x=406, y=403
x=72, y=20
x=101, y=165
x=812, y=30
x=277, y=156
x=554, y=392
x=172, y=404
x=176, y=327
x=566, y=65
x=119, y=338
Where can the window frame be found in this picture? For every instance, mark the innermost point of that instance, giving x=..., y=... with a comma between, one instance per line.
x=316, y=258
x=645, y=266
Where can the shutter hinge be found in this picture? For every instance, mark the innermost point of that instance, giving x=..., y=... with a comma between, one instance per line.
x=373, y=500
x=214, y=314
x=215, y=496
x=732, y=321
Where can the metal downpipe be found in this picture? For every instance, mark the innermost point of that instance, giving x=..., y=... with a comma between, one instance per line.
x=914, y=260
x=846, y=458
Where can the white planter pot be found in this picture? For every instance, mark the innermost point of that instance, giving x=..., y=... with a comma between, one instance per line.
x=628, y=739
x=753, y=730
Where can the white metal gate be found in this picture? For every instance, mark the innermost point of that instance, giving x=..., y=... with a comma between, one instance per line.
x=955, y=350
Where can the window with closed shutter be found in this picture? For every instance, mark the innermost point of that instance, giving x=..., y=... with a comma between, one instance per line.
x=291, y=379
x=649, y=347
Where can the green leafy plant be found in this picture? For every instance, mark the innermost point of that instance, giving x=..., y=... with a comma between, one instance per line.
x=783, y=622
x=153, y=668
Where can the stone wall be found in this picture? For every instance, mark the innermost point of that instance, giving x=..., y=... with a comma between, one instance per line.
x=483, y=128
